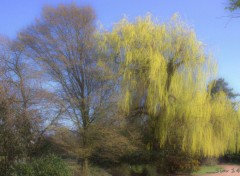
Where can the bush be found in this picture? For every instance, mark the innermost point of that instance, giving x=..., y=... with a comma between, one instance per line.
x=45, y=166
x=144, y=170
x=181, y=164
x=23, y=169
x=209, y=161
x=50, y=166
x=151, y=170
x=96, y=171
x=230, y=158
x=134, y=170
x=121, y=170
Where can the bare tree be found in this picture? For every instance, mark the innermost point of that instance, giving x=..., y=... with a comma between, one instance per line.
x=22, y=79
x=9, y=139
x=63, y=43
x=14, y=84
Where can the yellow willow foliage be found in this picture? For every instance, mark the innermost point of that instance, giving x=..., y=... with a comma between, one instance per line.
x=207, y=126
x=165, y=70
x=234, y=141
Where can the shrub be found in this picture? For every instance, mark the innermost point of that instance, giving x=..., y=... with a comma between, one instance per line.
x=96, y=171
x=50, y=166
x=151, y=170
x=144, y=170
x=181, y=164
x=45, y=166
x=121, y=170
x=23, y=169
x=209, y=161
x=230, y=158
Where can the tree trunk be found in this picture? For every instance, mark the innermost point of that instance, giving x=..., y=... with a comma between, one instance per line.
x=236, y=143
x=85, y=169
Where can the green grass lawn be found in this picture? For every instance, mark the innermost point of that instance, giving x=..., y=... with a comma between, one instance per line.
x=206, y=169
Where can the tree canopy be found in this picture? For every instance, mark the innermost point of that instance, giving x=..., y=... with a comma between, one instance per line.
x=221, y=85
x=233, y=5
x=165, y=71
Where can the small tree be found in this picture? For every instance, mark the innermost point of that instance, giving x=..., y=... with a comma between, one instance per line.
x=12, y=144
x=221, y=85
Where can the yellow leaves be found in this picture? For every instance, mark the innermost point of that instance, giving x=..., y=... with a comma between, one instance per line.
x=126, y=102
x=166, y=70
x=156, y=87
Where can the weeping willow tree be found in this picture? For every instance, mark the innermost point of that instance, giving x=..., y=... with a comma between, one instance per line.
x=164, y=71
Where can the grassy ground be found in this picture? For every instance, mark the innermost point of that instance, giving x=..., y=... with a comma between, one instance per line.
x=206, y=169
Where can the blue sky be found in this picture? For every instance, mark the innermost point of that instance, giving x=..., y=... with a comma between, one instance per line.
x=220, y=34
